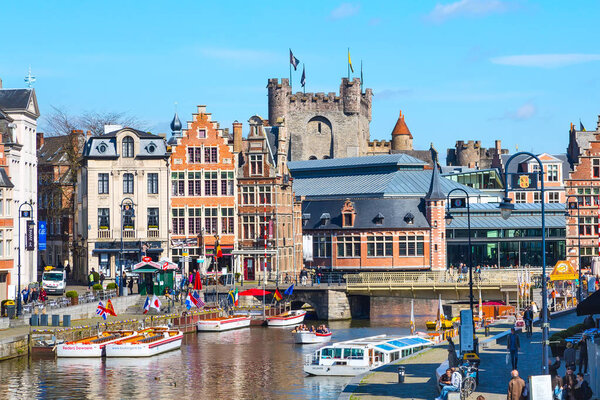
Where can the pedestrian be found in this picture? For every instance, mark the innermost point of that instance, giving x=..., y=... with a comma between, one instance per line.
x=557, y=387
x=553, y=367
x=570, y=356
x=454, y=387
x=25, y=295
x=130, y=285
x=68, y=270
x=43, y=295
x=516, y=386
x=513, y=345
x=91, y=279
x=34, y=295
x=582, y=389
x=528, y=318
x=102, y=277
x=198, y=281
x=452, y=358
x=583, y=354
x=569, y=383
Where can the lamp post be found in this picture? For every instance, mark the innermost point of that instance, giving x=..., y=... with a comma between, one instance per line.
x=29, y=217
x=568, y=214
x=449, y=219
x=506, y=208
x=126, y=201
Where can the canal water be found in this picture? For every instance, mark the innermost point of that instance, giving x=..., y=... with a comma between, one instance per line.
x=251, y=363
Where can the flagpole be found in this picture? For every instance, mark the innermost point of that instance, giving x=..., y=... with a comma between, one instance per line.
x=304, y=74
x=348, y=64
x=361, y=77
x=290, y=74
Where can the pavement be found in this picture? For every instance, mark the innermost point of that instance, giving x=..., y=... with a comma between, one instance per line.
x=420, y=381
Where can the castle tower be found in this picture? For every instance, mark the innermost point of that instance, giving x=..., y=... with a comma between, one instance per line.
x=322, y=125
x=401, y=137
x=435, y=201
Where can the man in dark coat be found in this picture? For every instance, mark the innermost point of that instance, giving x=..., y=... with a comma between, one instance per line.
x=583, y=354
x=513, y=345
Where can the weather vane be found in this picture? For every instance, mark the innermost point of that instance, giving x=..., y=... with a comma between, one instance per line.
x=29, y=79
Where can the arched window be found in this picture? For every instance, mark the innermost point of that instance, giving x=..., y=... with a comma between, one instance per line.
x=312, y=157
x=128, y=147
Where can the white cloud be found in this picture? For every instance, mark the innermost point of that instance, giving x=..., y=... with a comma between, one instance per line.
x=545, y=60
x=526, y=111
x=345, y=10
x=470, y=8
x=247, y=55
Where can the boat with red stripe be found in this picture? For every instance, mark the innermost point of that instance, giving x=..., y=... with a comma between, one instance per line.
x=92, y=346
x=150, y=342
x=292, y=317
x=221, y=324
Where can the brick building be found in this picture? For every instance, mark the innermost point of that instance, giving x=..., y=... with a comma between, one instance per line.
x=7, y=277
x=267, y=211
x=202, y=193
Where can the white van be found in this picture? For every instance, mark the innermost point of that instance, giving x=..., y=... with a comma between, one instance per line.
x=54, y=281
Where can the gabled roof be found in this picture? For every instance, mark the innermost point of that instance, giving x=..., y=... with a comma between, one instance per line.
x=54, y=149
x=18, y=99
x=5, y=179
x=400, y=128
x=140, y=134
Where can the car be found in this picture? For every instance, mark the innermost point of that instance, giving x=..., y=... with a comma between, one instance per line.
x=54, y=281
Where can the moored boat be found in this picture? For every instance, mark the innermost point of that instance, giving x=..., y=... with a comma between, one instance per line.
x=354, y=357
x=92, y=346
x=147, y=343
x=223, y=323
x=292, y=317
x=307, y=337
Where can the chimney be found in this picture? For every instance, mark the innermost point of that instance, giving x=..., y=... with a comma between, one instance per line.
x=498, y=146
x=0, y=83
x=75, y=135
x=237, y=137
x=39, y=137
x=88, y=134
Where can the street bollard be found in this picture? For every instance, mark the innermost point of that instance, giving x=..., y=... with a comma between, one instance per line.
x=487, y=330
x=401, y=373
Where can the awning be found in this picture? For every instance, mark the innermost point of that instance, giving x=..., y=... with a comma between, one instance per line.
x=591, y=305
x=251, y=252
x=153, y=266
x=254, y=292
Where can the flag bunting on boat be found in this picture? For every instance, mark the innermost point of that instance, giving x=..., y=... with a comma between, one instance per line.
x=278, y=295
x=147, y=305
x=233, y=297
x=412, y=317
x=155, y=303
x=289, y=291
x=110, y=309
x=193, y=299
x=101, y=310
x=440, y=316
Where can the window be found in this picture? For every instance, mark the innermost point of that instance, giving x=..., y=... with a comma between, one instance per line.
x=195, y=155
x=348, y=219
x=1, y=243
x=128, y=216
x=210, y=155
x=588, y=226
x=537, y=197
x=210, y=220
x=9, y=247
x=201, y=133
x=152, y=183
x=194, y=221
x=380, y=246
x=348, y=246
x=227, y=220
x=210, y=184
x=178, y=183
x=248, y=195
x=256, y=164
x=8, y=207
x=596, y=167
x=264, y=195
x=1, y=207
x=249, y=226
x=553, y=173
x=194, y=183
x=178, y=221
x=520, y=197
x=411, y=246
x=153, y=218
x=553, y=197
x=322, y=246
x=104, y=219
x=226, y=183
x=128, y=147
x=102, y=183
x=263, y=226
x=128, y=183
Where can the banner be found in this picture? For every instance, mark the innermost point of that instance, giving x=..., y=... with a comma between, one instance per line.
x=41, y=235
x=30, y=236
x=525, y=181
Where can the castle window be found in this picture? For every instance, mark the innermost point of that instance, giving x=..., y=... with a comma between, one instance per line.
x=378, y=219
x=596, y=167
x=312, y=157
x=319, y=128
x=128, y=147
x=256, y=164
x=319, y=125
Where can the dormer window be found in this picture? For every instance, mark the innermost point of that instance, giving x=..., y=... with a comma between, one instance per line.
x=151, y=148
x=127, y=147
x=102, y=147
x=348, y=214
x=378, y=219
x=325, y=218
x=409, y=219
x=305, y=219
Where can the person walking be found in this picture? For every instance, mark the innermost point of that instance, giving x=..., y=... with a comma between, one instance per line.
x=102, y=277
x=91, y=279
x=513, y=345
x=583, y=354
x=582, y=389
x=570, y=356
x=528, y=318
x=569, y=383
x=130, y=285
x=516, y=385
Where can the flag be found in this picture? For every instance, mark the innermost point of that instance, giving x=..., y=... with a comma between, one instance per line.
x=219, y=251
x=293, y=60
x=350, y=62
x=361, y=76
x=101, y=310
x=278, y=295
x=303, y=79
x=288, y=291
x=193, y=299
x=155, y=303
x=440, y=315
x=233, y=297
x=147, y=305
x=110, y=309
x=581, y=128
x=412, y=317
x=480, y=312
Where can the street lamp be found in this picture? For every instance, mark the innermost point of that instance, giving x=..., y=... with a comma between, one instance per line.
x=29, y=216
x=127, y=201
x=506, y=208
x=568, y=214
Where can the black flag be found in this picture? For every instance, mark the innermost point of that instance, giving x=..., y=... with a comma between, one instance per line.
x=293, y=60
x=303, y=79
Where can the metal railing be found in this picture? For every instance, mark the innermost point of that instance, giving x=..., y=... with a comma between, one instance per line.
x=103, y=234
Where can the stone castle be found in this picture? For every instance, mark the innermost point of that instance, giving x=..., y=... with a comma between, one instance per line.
x=472, y=155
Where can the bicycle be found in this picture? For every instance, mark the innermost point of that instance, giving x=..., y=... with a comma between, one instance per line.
x=470, y=379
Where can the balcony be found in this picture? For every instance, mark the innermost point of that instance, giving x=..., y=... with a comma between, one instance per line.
x=153, y=233
x=128, y=233
x=103, y=233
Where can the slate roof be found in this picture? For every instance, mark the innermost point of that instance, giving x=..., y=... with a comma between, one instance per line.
x=5, y=179
x=393, y=210
x=518, y=160
x=150, y=146
x=141, y=134
x=584, y=138
x=423, y=155
x=53, y=150
x=525, y=215
x=383, y=160
x=15, y=99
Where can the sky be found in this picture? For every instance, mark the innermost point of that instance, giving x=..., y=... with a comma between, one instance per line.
x=516, y=70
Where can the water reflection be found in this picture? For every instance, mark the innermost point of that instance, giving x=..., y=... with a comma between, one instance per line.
x=246, y=364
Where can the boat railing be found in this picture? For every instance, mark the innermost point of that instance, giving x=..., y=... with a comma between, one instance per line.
x=311, y=359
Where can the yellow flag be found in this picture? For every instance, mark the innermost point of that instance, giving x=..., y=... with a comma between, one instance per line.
x=350, y=62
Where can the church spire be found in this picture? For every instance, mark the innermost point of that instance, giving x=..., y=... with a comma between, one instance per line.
x=435, y=192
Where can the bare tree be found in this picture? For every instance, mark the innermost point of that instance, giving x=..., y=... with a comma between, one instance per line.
x=60, y=122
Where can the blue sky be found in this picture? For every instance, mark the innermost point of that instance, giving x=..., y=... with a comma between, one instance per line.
x=516, y=70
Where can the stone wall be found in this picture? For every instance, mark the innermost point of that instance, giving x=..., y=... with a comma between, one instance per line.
x=14, y=346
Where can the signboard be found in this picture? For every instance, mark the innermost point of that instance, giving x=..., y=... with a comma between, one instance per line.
x=525, y=181
x=563, y=271
x=466, y=331
x=146, y=259
x=30, y=236
x=540, y=387
x=41, y=235
x=185, y=253
x=573, y=205
x=165, y=266
x=25, y=214
x=460, y=202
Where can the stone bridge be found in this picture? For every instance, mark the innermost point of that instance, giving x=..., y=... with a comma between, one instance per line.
x=332, y=303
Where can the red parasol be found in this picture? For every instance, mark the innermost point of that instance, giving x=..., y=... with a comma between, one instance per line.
x=254, y=292
x=493, y=303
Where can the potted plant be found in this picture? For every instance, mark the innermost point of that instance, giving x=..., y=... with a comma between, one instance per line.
x=111, y=286
x=72, y=294
x=97, y=287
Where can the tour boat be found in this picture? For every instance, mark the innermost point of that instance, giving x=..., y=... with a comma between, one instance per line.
x=93, y=346
x=221, y=324
x=147, y=343
x=307, y=337
x=354, y=357
x=293, y=317
x=446, y=323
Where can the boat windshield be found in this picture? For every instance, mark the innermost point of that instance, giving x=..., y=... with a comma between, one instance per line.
x=338, y=352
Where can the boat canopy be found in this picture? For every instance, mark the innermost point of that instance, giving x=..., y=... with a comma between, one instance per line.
x=386, y=344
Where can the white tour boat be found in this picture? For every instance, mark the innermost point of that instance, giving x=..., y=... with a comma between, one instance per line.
x=92, y=346
x=307, y=337
x=293, y=317
x=147, y=343
x=221, y=324
x=357, y=356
